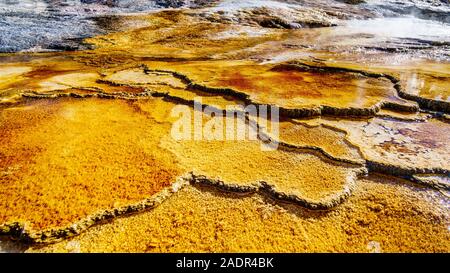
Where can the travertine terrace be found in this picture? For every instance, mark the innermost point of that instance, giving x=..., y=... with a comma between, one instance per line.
x=88, y=162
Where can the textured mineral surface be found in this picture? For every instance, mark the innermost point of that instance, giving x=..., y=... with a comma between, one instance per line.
x=132, y=131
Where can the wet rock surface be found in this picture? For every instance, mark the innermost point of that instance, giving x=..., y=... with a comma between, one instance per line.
x=362, y=152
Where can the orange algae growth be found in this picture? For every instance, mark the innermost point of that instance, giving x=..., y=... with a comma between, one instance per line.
x=62, y=159
x=243, y=162
x=332, y=140
x=175, y=35
x=65, y=159
x=382, y=216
